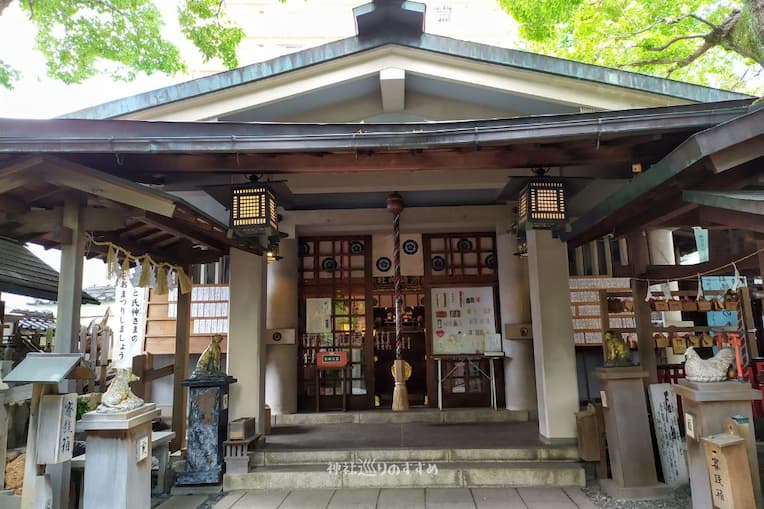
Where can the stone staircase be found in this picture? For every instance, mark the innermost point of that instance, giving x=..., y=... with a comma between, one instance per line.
x=418, y=415
x=380, y=468
x=462, y=447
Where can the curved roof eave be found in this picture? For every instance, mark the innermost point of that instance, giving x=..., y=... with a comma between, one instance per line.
x=427, y=42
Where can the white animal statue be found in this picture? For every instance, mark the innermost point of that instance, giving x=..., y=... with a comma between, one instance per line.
x=118, y=397
x=708, y=370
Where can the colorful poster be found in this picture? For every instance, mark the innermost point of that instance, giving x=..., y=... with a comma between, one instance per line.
x=131, y=323
x=463, y=320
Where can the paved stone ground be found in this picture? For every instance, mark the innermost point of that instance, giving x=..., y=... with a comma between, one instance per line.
x=396, y=498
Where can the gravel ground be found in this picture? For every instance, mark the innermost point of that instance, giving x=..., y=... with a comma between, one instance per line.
x=679, y=500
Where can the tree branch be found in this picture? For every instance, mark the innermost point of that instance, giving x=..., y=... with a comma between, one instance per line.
x=677, y=39
x=663, y=21
x=677, y=64
x=695, y=16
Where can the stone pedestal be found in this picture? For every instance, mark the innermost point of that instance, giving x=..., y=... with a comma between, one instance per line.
x=118, y=458
x=628, y=435
x=206, y=431
x=707, y=406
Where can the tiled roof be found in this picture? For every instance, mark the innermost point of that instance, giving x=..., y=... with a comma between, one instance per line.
x=23, y=273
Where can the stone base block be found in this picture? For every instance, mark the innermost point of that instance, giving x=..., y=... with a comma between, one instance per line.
x=209, y=489
x=659, y=490
x=212, y=476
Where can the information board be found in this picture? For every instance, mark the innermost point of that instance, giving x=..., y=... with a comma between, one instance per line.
x=463, y=321
x=670, y=444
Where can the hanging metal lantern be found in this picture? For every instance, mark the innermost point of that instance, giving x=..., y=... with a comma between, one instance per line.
x=542, y=204
x=522, y=243
x=253, y=210
x=272, y=255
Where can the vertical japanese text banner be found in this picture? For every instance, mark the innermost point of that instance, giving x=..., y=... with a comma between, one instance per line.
x=131, y=322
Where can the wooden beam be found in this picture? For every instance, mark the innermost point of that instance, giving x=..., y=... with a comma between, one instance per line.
x=182, y=252
x=17, y=173
x=75, y=176
x=181, y=372
x=182, y=230
x=652, y=216
x=33, y=221
x=738, y=154
x=103, y=219
x=516, y=156
x=670, y=272
x=732, y=219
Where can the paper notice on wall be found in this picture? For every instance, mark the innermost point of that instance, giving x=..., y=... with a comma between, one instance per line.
x=318, y=315
x=131, y=322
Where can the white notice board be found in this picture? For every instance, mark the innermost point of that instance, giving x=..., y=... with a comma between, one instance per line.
x=463, y=321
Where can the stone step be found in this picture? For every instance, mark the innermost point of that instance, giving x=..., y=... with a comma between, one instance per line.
x=388, y=474
x=424, y=415
x=503, y=454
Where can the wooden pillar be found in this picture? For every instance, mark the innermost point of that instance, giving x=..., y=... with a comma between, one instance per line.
x=579, y=253
x=639, y=258
x=595, y=257
x=182, y=340
x=30, y=467
x=70, y=280
x=68, y=323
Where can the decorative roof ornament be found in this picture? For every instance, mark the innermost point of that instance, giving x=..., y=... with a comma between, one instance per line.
x=389, y=17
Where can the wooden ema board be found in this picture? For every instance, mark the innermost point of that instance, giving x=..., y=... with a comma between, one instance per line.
x=728, y=471
x=587, y=309
x=209, y=316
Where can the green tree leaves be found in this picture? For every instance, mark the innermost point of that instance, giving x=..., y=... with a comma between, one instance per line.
x=80, y=39
x=122, y=38
x=204, y=24
x=710, y=42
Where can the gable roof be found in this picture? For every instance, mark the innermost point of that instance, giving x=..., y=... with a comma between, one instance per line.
x=391, y=34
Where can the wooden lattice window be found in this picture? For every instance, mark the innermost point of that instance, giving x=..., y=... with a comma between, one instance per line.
x=461, y=257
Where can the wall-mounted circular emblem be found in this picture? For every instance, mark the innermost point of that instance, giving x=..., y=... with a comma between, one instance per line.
x=464, y=245
x=384, y=264
x=438, y=263
x=410, y=247
x=276, y=336
x=329, y=264
x=356, y=247
x=305, y=248
x=490, y=261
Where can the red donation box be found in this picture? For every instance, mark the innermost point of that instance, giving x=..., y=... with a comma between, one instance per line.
x=332, y=360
